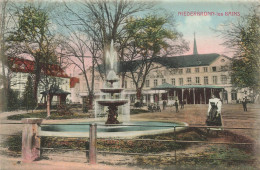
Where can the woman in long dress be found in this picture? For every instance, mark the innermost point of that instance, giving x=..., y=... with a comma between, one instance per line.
x=214, y=112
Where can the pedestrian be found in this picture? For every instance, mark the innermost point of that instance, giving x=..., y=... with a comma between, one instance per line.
x=214, y=112
x=164, y=105
x=176, y=105
x=244, y=102
x=182, y=104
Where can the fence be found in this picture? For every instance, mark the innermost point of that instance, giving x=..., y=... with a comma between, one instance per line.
x=31, y=148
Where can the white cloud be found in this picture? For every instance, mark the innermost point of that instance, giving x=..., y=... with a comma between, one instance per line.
x=198, y=24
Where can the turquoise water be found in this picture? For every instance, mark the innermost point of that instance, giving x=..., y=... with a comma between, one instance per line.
x=101, y=127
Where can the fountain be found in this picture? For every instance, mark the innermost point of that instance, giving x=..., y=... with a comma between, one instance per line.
x=112, y=97
x=112, y=102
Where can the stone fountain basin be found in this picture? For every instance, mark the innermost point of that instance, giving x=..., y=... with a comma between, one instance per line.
x=111, y=90
x=124, y=130
x=114, y=102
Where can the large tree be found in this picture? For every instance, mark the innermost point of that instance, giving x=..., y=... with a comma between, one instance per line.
x=151, y=37
x=33, y=38
x=98, y=22
x=243, y=37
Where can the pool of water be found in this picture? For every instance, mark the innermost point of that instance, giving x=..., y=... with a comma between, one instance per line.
x=101, y=127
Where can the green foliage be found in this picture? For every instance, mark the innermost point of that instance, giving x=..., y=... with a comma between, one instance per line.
x=138, y=111
x=150, y=34
x=28, y=95
x=54, y=115
x=245, y=38
x=11, y=101
x=33, y=24
x=14, y=143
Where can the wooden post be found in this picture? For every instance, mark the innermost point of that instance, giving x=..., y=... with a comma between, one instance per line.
x=205, y=100
x=194, y=95
x=30, y=139
x=48, y=105
x=93, y=144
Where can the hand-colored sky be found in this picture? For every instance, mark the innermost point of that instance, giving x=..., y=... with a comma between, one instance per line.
x=205, y=27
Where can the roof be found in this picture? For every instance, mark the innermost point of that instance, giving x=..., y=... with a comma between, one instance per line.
x=73, y=81
x=170, y=86
x=188, y=60
x=55, y=91
x=193, y=60
x=27, y=66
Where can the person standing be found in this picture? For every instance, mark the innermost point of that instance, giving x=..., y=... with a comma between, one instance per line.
x=164, y=105
x=244, y=102
x=182, y=104
x=176, y=105
x=214, y=112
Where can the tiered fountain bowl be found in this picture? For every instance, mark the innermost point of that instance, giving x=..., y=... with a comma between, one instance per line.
x=112, y=103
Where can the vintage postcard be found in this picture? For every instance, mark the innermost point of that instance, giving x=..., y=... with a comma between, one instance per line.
x=129, y=84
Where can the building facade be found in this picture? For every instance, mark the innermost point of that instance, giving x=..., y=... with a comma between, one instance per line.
x=192, y=78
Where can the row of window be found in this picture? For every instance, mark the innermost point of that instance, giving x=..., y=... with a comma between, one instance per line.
x=197, y=70
x=189, y=81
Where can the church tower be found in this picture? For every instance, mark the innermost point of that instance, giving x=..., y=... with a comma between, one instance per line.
x=195, y=51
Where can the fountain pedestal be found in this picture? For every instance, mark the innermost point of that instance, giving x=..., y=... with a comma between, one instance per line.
x=112, y=115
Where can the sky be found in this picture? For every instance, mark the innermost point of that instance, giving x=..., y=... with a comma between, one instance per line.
x=204, y=26
x=213, y=15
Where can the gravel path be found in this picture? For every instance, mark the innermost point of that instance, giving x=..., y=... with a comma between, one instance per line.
x=233, y=116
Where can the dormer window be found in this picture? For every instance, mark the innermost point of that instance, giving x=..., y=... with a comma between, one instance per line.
x=214, y=69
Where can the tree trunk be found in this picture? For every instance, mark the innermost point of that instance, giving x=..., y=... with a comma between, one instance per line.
x=138, y=94
x=91, y=98
x=48, y=105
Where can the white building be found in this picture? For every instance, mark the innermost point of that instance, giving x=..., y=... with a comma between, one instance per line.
x=22, y=68
x=191, y=78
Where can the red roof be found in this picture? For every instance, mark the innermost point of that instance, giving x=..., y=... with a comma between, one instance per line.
x=27, y=66
x=73, y=81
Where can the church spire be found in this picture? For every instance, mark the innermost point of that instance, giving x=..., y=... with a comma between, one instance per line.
x=195, y=51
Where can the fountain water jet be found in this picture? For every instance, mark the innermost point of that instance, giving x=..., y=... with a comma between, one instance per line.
x=111, y=78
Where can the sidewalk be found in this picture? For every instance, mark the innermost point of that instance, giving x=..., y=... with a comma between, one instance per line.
x=7, y=163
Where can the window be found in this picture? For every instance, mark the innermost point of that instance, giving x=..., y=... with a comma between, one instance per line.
x=215, y=80
x=223, y=79
x=181, y=81
x=189, y=80
x=197, y=70
x=155, y=83
x=205, y=69
x=188, y=70
x=197, y=80
x=214, y=69
x=206, y=80
x=180, y=71
x=233, y=95
x=125, y=84
x=163, y=81
x=147, y=83
x=173, y=81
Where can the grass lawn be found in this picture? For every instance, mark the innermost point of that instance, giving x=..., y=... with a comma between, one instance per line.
x=224, y=156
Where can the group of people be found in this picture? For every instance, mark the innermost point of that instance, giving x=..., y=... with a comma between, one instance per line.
x=214, y=110
x=176, y=104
